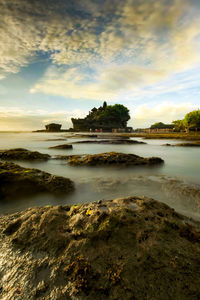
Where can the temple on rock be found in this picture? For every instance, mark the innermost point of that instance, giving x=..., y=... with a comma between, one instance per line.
x=105, y=118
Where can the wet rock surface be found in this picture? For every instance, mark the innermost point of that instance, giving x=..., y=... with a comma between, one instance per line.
x=179, y=194
x=22, y=154
x=16, y=181
x=111, y=158
x=111, y=141
x=128, y=248
x=64, y=147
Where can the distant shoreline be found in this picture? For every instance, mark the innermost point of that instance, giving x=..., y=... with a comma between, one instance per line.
x=193, y=136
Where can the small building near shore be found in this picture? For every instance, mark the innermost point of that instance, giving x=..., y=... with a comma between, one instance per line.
x=53, y=127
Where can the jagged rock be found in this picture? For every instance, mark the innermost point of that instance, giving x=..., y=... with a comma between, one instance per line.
x=112, y=141
x=111, y=158
x=64, y=147
x=22, y=154
x=16, y=181
x=129, y=248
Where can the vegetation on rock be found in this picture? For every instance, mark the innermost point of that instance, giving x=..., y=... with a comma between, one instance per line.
x=111, y=141
x=130, y=248
x=16, y=181
x=111, y=158
x=106, y=117
x=22, y=154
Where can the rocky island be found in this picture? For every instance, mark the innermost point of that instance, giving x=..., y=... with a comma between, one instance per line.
x=104, y=118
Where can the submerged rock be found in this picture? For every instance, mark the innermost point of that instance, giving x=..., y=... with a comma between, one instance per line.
x=112, y=141
x=184, y=145
x=22, y=154
x=54, y=140
x=111, y=158
x=16, y=181
x=64, y=147
x=128, y=248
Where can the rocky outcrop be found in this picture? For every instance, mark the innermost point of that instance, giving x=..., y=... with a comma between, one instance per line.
x=184, y=145
x=53, y=127
x=16, y=181
x=22, y=154
x=130, y=248
x=62, y=147
x=111, y=141
x=104, y=118
x=111, y=158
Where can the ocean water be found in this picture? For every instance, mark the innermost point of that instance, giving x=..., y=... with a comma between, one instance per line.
x=182, y=164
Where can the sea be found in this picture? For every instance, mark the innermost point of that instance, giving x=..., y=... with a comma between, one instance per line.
x=176, y=182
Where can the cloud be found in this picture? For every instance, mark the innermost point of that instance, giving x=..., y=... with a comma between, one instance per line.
x=146, y=115
x=77, y=32
x=23, y=120
x=105, y=83
x=141, y=116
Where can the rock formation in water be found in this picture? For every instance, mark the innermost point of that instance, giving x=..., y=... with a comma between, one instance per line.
x=111, y=159
x=111, y=141
x=183, y=145
x=53, y=127
x=62, y=147
x=105, y=118
x=130, y=248
x=16, y=182
x=22, y=154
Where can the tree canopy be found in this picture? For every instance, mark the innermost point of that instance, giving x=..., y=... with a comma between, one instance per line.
x=192, y=119
x=106, y=117
x=160, y=125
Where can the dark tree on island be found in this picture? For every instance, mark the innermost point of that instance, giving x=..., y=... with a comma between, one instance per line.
x=106, y=117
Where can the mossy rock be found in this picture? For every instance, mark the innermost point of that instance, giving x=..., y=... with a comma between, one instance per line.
x=128, y=248
x=22, y=154
x=112, y=158
x=16, y=181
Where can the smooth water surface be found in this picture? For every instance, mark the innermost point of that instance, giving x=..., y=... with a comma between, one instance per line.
x=92, y=183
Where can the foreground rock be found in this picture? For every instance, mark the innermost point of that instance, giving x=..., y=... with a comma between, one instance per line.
x=22, y=154
x=112, y=141
x=112, y=158
x=130, y=248
x=184, y=145
x=64, y=147
x=16, y=181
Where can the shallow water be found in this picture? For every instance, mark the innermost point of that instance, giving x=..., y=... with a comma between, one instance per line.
x=94, y=183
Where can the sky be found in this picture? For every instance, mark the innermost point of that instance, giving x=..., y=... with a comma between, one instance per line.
x=60, y=58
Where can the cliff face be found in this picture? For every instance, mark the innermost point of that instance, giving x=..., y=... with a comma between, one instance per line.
x=104, y=118
x=128, y=248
